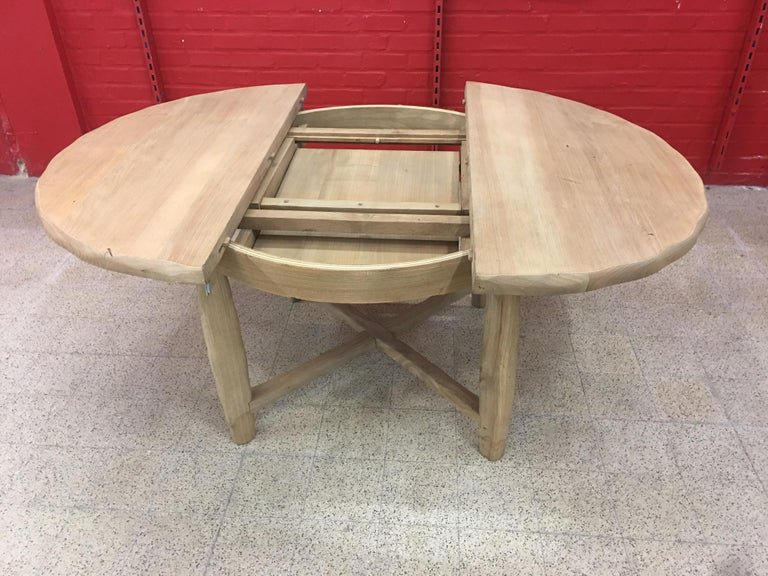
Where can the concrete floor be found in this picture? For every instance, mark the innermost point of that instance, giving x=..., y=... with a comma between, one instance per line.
x=639, y=443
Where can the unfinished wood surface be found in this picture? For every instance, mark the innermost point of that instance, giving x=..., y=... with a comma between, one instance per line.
x=352, y=251
x=465, y=184
x=567, y=198
x=226, y=354
x=362, y=206
x=376, y=136
x=373, y=176
x=363, y=225
x=274, y=176
x=498, y=372
x=347, y=283
x=433, y=376
x=156, y=192
x=383, y=117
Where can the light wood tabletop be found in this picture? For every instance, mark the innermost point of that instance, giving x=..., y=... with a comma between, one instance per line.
x=156, y=193
x=568, y=198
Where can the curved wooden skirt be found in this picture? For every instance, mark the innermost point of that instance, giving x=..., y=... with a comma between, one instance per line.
x=351, y=284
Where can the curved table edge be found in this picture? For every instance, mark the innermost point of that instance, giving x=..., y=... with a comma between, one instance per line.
x=550, y=284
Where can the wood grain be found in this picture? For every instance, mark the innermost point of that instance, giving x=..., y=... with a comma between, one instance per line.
x=498, y=373
x=156, y=192
x=362, y=225
x=568, y=198
x=226, y=353
x=382, y=117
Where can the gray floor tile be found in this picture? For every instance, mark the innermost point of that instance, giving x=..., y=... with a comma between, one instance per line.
x=420, y=493
x=687, y=399
x=560, y=442
x=408, y=392
x=489, y=552
x=755, y=442
x=424, y=435
x=731, y=512
x=706, y=451
x=324, y=547
x=605, y=352
x=500, y=495
x=285, y=428
x=189, y=483
x=30, y=540
x=247, y=546
x=274, y=486
x=417, y=550
x=579, y=555
x=96, y=542
x=687, y=559
x=365, y=381
x=173, y=543
x=636, y=447
x=352, y=432
x=345, y=489
x=551, y=392
x=653, y=505
x=574, y=502
x=615, y=395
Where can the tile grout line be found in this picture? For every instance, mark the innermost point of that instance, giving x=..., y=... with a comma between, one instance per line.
x=223, y=517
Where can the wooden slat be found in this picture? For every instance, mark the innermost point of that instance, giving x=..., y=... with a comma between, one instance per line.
x=465, y=184
x=274, y=175
x=366, y=225
x=382, y=116
x=156, y=193
x=467, y=402
x=362, y=206
x=375, y=136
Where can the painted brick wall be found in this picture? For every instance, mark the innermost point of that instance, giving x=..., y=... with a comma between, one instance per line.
x=355, y=51
x=664, y=64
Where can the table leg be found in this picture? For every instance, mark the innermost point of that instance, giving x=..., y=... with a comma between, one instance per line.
x=501, y=332
x=226, y=353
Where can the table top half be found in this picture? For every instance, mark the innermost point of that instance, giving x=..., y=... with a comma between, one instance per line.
x=157, y=192
x=564, y=197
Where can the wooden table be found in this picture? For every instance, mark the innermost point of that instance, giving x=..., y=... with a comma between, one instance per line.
x=527, y=194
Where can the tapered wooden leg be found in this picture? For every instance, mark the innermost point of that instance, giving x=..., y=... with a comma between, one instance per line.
x=501, y=334
x=226, y=353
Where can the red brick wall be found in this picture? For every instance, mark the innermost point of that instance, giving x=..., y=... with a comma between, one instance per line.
x=667, y=65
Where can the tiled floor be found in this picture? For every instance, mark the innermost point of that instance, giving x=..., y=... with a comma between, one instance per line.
x=639, y=443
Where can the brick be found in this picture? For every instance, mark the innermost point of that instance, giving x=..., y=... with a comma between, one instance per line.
x=383, y=22
x=384, y=61
x=365, y=79
x=318, y=5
